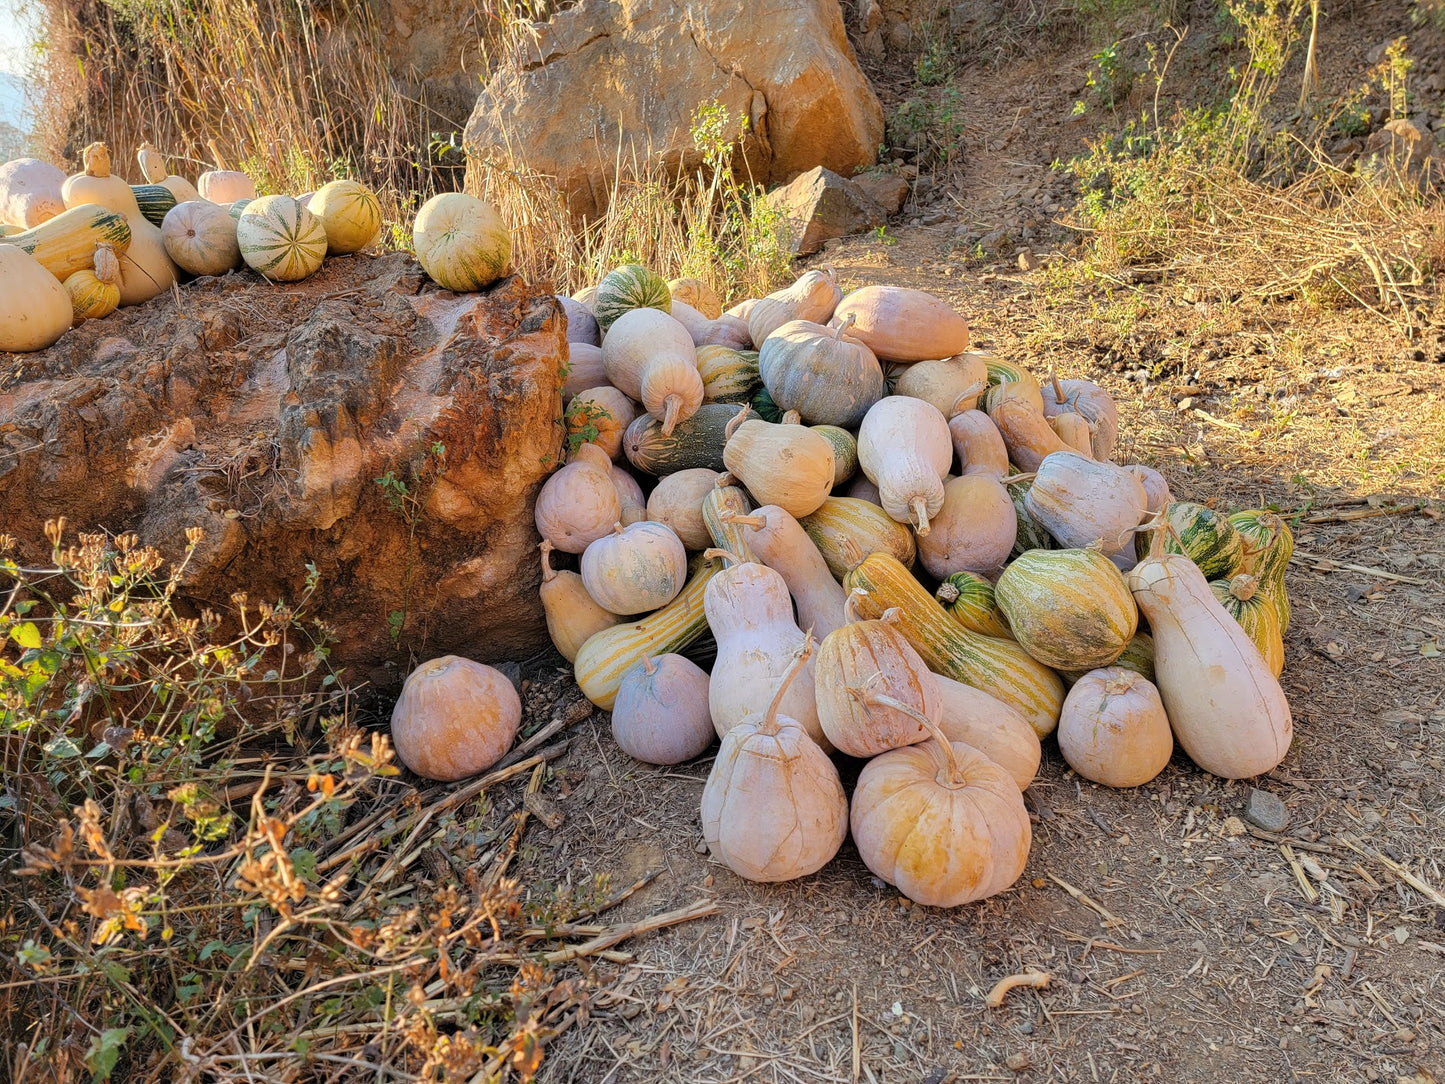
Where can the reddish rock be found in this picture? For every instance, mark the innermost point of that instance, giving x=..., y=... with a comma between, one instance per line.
x=821, y=205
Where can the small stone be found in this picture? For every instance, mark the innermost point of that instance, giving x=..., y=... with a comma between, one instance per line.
x=1233, y=828
x=1405, y=1035
x=1028, y=261
x=1186, y=403
x=888, y=190
x=1017, y=1062
x=821, y=205
x=1265, y=810
x=700, y=846
x=1371, y=819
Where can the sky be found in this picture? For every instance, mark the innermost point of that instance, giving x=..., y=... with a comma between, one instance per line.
x=16, y=32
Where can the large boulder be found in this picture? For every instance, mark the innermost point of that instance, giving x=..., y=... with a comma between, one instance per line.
x=364, y=427
x=631, y=74
x=819, y=205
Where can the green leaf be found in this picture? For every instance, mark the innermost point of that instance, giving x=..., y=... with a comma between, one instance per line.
x=26, y=635
x=104, y=1052
x=61, y=746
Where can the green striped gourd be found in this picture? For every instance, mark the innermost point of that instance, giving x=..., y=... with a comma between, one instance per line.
x=1270, y=545
x=1070, y=609
x=154, y=200
x=66, y=243
x=845, y=451
x=970, y=600
x=1031, y=534
x=728, y=376
x=1205, y=536
x=717, y=503
x=280, y=239
x=1256, y=613
x=694, y=442
x=1001, y=668
x=629, y=287
x=1138, y=656
x=842, y=521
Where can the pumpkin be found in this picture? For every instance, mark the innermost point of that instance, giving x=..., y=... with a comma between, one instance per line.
x=784, y=464
x=1070, y=609
x=30, y=192
x=609, y=654
x=96, y=184
x=973, y=531
x=280, y=239
x=751, y=616
x=999, y=667
x=578, y=504
x=812, y=297
x=1205, y=536
x=635, y=569
x=660, y=715
x=572, y=616
x=827, y=376
x=1269, y=544
x=581, y=324
x=1082, y=502
x=600, y=416
x=225, y=186
x=989, y=725
x=650, y=357
x=677, y=502
x=629, y=495
x=970, y=600
x=584, y=370
x=951, y=384
x=900, y=324
x=1256, y=613
x=778, y=541
x=904, y=447
x=1113, y=729
x=697, y=441
x=461, y=242
x=841, y=520
x=978, y=444
x=350, y=215
x=862, y=656
x=35, y=308
x=629, y=287
x=1226, y=708
x=773, y=807
x=728, y=376
x=454, y=718
x=66, y=243
x=1088, y=401
x=200, y=237
x=698, y=294
x=95, y=293
x=940, y=821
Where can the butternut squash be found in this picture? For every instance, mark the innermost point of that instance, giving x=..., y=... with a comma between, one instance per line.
x=905, y=448
x=780, y=542
x=650, y=357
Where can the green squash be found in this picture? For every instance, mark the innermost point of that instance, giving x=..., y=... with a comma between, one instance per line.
x=1256, y=613
x=970, y=599
x=728, y=376
x=695, y=442
x=826, y=375
x=1205, y=536
x=629, y=287
x=1070, y=609
x=1269, y=545
x=845, y=452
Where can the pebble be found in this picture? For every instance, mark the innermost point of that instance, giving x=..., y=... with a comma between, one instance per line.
x=1186, y=402
x=1017, y=1062
x=1028, y=261
x=1266, y=811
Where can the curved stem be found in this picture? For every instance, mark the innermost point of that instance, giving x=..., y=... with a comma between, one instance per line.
x=852, y=553
x=971, y=392
x=845, y=326
x=1122, y=682
x=548, y=572
x=648, y=666
x=727, y=555
x=951, y=768
x=920, y=516
x=1027, y=476
x=755, y=521
x=732, y=426
x=850, y=605
x=769, y=725
x=672, y=406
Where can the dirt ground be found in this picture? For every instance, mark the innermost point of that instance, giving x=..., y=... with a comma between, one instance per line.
x=1183, y=943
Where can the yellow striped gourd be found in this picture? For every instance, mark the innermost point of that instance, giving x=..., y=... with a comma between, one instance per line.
x=95, y=292
x=280, y=239
x=969, y=599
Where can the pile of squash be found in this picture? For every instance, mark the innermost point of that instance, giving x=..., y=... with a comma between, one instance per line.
x=905, y=552
x=77, y=248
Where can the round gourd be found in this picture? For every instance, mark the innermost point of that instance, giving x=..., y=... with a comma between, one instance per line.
x=951, y=384
x=454, y=718
x=35, y=308
x=225, y=186
x=200, y=236
x=773, y=807
x=940, y=821
x=1156, y=489
x=1113, y=729
x=698, y=294
x=30, y=192
x=95, y=292
x=349, y=213
x=629, y=287
x=280, y=239
x=600, y=416
x=660, y=715
x=1268, y=545
x=728, y=376
x=579, y=503
x=461, y=242
x=826, y=375
x=676, y=501
x=1082, y=503
x=974, y=530
x=970, y=599
x=1206, y=537
x=635, y=569
x=1070, y=609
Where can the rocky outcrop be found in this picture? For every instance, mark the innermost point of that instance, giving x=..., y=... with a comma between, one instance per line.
x=630, y=74
x=388, y=435
x=820, y=205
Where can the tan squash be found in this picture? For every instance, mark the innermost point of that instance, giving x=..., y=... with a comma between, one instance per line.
x=584, y=370
x=660, y=715
x=951, y=384
x=698, y=294
x=629, y=495
x=650, y=357
x=989, y=725
x=978, y=444
x=974, y=530
x=779, y=541
x=1084, y=503
x=579, y=503
x=901, y=324
x=812, y=297
x=677, y=501
x=635, y=569
x=785, y=464
x=905, y=448
x=454, y=718
x=842, y=520
x=1113, y=729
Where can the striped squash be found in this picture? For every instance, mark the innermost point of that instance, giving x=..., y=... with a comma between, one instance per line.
x=694, y=442
x=1138, y=656
x=844, y=525
x=461, y=242
x=1269, y=546
x=727, y=536
x=154, y=200
x=845, y=451
x=609, y=654
x=1255, y=611
x=1205, y=536
x=629, y=287
x=350, y=214
x=95, y=293
x=767, y=409
x=1004, y=372
x=1070, y=609
x=66, y=243
x=970, y=601
x=998, y=667
x=235, y=209
x=1031, y=534
x=280, y=239
x=728, y=376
